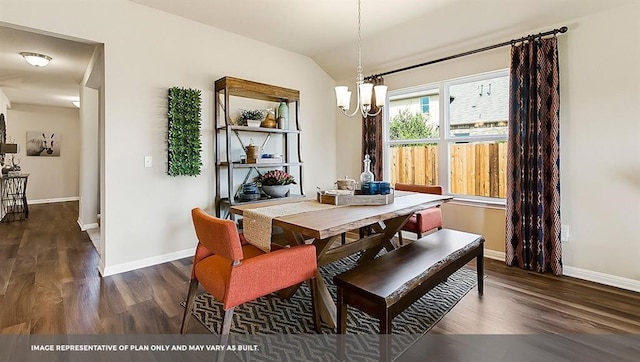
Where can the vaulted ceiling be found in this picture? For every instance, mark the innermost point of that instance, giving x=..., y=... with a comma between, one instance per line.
x=394, y=34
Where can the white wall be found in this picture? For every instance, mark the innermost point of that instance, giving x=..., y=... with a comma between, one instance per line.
x=4, y=103
x=89, y=159
x=600, y=141
x=92, y=82
x=145, y=213
x=50, y=178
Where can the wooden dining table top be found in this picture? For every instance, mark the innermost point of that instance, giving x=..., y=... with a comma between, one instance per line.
x=325, y=223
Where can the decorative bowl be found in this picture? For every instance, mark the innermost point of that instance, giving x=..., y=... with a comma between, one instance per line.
x=276, y=190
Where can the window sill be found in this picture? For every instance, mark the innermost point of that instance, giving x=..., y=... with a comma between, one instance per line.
x=497, y=204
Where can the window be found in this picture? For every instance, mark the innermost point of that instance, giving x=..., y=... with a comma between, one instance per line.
x=459, y=143
x=424, y=104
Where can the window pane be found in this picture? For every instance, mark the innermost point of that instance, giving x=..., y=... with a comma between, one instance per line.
x=479, y=108
x=479, y=168
x=414, y=116
x=424, y=104
x=414, y=164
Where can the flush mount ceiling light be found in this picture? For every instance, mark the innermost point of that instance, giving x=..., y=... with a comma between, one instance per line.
x=36, y=59
x=363, y=90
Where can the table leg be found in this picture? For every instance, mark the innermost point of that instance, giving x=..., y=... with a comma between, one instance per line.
x=391, y=228
x=287, y=293
x=325, y=304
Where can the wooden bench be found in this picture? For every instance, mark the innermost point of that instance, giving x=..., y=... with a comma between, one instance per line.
x=387, y=285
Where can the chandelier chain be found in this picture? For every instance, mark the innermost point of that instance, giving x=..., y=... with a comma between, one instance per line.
x=359, y=71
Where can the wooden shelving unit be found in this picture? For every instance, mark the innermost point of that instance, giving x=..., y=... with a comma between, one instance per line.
x=230, y=172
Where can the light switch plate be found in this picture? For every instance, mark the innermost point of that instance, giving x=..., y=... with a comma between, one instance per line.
x=564, y=232
x=148, y=161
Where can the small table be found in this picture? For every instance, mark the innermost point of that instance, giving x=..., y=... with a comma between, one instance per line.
x=326, y=226
x=13, y=197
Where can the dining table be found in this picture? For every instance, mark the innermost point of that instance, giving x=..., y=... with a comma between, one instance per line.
x=325, y=226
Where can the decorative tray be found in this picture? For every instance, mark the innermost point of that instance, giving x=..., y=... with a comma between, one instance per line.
x=347, y=198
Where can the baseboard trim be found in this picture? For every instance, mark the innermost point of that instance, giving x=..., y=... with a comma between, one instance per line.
x=50, y=201
x=86, y=227
x=492, y=254
x=143, y=263
x=602, y=278
x=584, y=274
x=101, y=267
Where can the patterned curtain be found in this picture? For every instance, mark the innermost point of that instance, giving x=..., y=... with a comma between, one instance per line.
x=372, y=136
x=533, y=159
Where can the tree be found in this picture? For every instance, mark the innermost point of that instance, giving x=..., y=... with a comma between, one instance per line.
x=406, y=125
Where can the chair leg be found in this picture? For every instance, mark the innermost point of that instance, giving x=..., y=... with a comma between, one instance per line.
x=313, y=286
x=400, y=237
x=227, y=319
x=226, y=322
x=419, y=235
x=193, y=286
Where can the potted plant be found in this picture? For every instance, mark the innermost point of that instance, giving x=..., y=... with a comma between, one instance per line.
x=275, y=183
x=252, y=117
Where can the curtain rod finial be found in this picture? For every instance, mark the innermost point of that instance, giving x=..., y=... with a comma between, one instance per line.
x=564, y=29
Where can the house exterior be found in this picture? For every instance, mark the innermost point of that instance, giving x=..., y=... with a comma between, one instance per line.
x=145, y=215
x=475, y=108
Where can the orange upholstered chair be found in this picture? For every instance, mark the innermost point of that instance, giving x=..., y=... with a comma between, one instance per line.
x=235, y=272
x=425, y=220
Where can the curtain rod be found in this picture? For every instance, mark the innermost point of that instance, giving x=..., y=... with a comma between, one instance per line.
x=563, y=29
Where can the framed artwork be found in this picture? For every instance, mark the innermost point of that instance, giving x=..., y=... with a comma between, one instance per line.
x=43, y=144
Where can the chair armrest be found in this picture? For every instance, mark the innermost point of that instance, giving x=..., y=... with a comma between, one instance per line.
x=270, y=272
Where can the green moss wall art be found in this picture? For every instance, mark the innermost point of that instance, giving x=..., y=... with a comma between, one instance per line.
x=184, y=143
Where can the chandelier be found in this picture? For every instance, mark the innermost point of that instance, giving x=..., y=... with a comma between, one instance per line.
x=364, y=90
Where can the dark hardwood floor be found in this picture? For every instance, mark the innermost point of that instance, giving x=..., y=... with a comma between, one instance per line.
x=49, y=284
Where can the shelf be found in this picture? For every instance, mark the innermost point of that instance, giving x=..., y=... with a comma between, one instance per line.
x=259, y=129
x=231, y=137
x=259, y=165
x=264, y=199
x=249, y=89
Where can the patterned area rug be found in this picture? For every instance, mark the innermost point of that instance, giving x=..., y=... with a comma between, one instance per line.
x=283, y=329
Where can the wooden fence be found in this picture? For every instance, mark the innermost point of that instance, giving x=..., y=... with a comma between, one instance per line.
x=476, y=168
